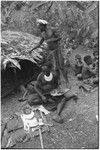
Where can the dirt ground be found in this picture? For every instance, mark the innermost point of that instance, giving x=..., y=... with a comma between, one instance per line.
x=80, y=127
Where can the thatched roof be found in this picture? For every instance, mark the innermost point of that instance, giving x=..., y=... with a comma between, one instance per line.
x=18, y=44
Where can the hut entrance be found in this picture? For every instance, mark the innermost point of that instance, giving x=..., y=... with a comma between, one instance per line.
x=12, y=78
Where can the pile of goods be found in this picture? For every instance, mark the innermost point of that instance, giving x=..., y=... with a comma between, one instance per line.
x=22, y=126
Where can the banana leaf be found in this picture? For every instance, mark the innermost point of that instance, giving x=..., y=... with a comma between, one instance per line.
x=17, y=45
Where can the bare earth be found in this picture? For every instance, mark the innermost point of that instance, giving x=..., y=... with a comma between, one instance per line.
x=80, y=127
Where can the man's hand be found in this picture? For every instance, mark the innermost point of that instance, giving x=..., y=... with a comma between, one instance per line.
x=53, y=39
x=37, y=46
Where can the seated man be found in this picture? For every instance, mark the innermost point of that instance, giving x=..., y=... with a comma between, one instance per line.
x=48, y=81
x=78, y=64
x=87, y=70
x=51, y=36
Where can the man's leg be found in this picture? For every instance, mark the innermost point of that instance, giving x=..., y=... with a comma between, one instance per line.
x=60, y=107
x=67, y=96
x=34, y=99
x=70, y=95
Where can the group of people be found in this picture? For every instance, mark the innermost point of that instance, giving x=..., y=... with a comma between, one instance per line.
x=47, y=85
x=88, y=68
x=48, y=80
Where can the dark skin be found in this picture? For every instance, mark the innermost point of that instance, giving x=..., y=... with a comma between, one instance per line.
x=52, y=38
x=43, y=87
x=49, y=35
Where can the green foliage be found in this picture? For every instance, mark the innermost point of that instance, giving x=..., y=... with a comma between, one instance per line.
x=16, y=45
x=9, y=62
x=77, y=21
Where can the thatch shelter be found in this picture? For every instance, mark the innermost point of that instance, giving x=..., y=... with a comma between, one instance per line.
x=17, y=65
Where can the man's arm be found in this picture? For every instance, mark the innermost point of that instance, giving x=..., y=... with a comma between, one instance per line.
x=53, y=39
x=36, y=87
x=38, y=45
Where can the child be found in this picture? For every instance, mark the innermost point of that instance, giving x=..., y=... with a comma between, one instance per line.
x=78, y=65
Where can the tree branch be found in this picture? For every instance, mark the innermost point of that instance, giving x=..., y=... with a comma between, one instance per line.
x=49, y=7
x=39, y=5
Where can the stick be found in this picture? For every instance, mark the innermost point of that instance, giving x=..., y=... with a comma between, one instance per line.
x=41, y=139
x=25, y=94
x=45, y=121
x=49, y=7
x=3, y=129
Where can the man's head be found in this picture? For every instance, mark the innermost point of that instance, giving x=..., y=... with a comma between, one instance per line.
x=42, y=24
x=78, y=57
x=88, y=60
x=47, y=69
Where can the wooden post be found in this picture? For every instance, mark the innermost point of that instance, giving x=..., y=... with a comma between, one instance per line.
x=59, y=65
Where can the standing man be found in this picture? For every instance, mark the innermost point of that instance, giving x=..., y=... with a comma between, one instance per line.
x=51, y=37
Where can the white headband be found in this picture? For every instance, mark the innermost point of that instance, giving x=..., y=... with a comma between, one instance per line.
x=42, y=21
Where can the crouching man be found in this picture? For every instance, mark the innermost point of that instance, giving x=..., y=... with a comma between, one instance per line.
x=47, y=81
